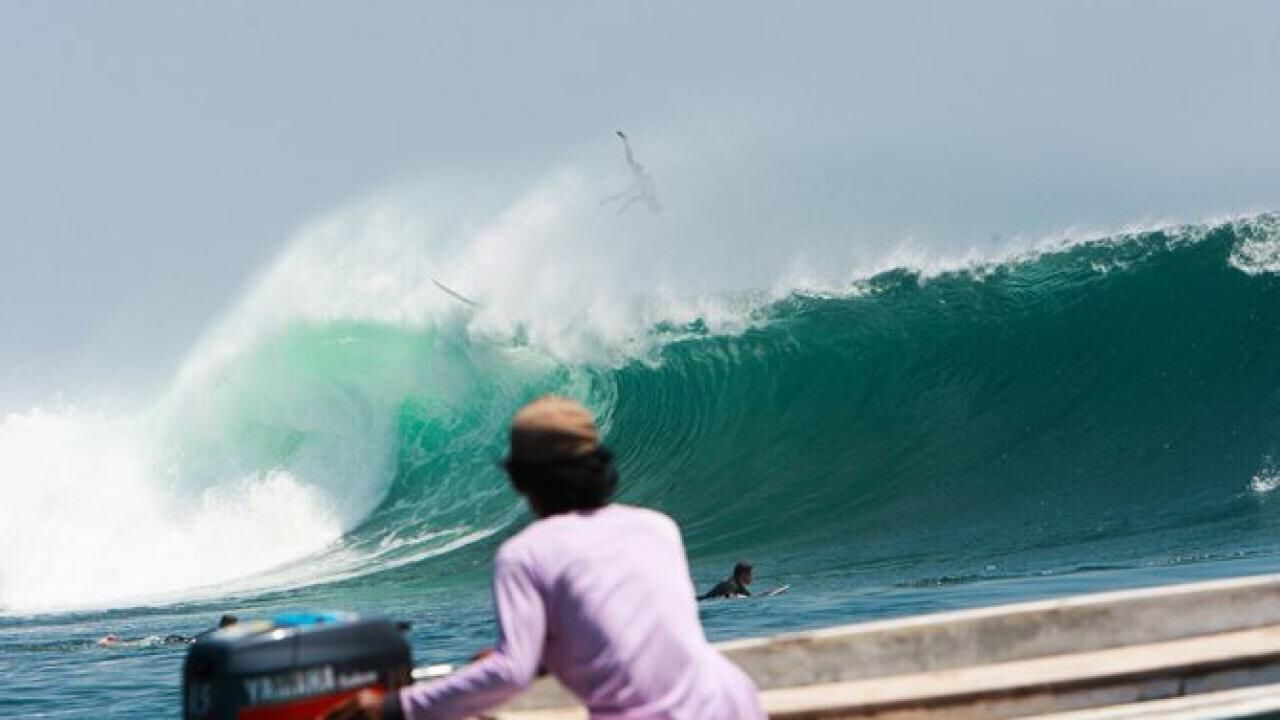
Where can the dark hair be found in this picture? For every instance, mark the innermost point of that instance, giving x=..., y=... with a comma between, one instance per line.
x=741, y=567
x=581, y=483
x=227, y=620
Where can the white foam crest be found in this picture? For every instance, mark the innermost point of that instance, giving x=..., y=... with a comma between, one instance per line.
x=359, y=264
x=552, y=269
x=90, y=516
x=1259, y=251
x=1267, y=478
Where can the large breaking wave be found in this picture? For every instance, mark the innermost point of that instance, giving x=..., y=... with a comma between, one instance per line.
x=1108, y=399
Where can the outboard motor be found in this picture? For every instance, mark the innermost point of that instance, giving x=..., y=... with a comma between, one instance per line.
x=292, y=666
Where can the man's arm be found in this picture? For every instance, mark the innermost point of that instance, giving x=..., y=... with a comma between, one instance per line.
x=522, y=626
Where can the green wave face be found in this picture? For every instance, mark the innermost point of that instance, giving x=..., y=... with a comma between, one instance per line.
x=1116, y=400
x=1112, y=401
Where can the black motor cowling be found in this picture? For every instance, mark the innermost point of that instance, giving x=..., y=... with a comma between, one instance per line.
x=292, y=666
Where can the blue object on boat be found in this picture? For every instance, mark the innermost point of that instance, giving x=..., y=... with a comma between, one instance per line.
x=301, y=619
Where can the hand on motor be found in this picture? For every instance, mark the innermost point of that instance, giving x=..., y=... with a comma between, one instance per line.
x=366, y=705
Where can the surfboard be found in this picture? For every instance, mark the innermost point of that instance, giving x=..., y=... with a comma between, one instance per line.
x=455, y=294
x=775, y=591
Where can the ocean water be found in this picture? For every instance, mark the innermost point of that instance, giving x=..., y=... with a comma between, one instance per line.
x=1087, y=414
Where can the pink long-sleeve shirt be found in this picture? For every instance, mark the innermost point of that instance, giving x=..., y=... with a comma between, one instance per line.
x=603, y=600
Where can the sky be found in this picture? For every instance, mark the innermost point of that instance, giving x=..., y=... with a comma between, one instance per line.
x=156, y=156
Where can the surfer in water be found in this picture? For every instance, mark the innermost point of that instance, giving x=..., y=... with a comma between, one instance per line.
x=642, y=187
x=735, y=586
x=113, y=640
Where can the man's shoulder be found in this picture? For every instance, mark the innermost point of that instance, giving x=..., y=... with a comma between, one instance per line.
x=570, y=525
x=648, y=521
x=518, y=546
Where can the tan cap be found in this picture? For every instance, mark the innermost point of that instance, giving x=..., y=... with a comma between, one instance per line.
x=552, y=428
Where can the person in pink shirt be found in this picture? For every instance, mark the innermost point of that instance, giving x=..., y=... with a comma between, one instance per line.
x=596, y=593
